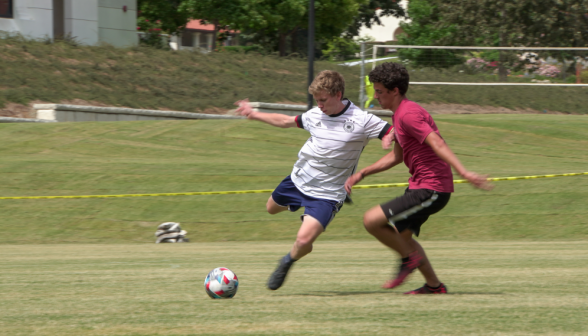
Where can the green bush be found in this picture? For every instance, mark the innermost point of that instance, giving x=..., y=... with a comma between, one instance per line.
x=244, y=49
x=571, y=79
x=584, y=76
x=341, y=49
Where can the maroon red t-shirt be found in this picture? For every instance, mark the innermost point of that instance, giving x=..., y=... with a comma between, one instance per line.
x=412, y=124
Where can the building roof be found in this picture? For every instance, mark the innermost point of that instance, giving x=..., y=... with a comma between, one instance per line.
x=195, y=24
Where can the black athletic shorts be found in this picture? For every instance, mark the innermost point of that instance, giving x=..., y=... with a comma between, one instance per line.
x=412, y=209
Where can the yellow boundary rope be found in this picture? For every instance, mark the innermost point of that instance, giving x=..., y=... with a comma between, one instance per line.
x=365, y=186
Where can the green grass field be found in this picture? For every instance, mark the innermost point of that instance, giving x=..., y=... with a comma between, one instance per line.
x=514, y=258
x=173, y=156
x=497, y=288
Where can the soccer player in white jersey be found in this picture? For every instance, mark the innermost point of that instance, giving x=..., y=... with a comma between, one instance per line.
x=339, y=131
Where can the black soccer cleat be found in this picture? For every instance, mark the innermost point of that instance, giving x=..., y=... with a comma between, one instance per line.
x=277, y=278
x=428, y=290
x=348, y=199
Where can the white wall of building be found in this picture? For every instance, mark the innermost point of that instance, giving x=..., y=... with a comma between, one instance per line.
x=117, y=25
x=88, y=21
x=32, y=18
x=81, y=20
x=385, y=32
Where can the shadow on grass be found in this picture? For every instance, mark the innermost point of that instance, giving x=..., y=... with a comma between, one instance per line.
x=337, y=293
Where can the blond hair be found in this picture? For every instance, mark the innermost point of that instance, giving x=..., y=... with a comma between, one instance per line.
x=329, y=81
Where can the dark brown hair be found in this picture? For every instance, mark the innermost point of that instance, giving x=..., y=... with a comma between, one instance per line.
x=391, y=75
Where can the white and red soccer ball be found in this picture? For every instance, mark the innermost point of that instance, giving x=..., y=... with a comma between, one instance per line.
x=221, y=283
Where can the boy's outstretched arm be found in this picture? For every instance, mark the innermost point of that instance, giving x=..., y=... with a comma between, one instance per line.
x=446, y=154
x=274, y=119
x=388, y=161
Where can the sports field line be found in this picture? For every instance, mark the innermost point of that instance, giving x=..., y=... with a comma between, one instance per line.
x=365, y=186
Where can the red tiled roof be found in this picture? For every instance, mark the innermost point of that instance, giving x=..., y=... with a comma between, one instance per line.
x=195, y=24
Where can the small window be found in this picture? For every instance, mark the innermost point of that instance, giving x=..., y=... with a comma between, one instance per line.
x=205, y=41
x=187, y=39
x=5, y=8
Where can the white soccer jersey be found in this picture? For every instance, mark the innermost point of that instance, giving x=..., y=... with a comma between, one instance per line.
x=332, y=152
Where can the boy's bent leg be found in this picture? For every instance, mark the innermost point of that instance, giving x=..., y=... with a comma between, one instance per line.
x=273, y=207
x=309, y=231
x=307, y=234
x=425, y=267
x=377, y=225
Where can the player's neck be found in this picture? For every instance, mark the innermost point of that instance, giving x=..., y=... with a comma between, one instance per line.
x=396, y=102
x=340, y=107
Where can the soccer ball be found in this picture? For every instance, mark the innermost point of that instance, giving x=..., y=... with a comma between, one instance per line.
x=221, y=283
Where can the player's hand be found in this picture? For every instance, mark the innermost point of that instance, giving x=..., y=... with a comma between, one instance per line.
x=477, y=180
x=244, y=108
x=352, y=180
x=388, y=139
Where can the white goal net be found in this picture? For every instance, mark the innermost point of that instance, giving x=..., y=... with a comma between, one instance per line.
x=493, y=68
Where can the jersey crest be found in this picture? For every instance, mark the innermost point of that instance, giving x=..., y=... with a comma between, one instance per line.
x=348, y=126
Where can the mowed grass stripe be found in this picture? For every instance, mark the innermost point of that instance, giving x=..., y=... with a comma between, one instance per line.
x=183, y=156
x=508, y=288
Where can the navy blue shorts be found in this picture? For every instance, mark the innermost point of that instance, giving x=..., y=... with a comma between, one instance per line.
x=323, y=210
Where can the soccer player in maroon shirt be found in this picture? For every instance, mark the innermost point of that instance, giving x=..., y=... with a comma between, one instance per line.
x=429, y=160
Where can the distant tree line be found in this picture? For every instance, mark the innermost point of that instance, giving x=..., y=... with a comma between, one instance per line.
x=275, y=25
x=280, y=25
x=500, y=23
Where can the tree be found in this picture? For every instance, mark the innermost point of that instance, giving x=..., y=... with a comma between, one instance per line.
x=227, y=14
x=272, y=22
x=553, y=23
x=423, y=30
x=345, y=46
x=332, y=17
x=172, y=16
x=546, y=23
x=158, y=17
x=276, y=19
x=282, y=18
x=165, y=15
x=368, y=14
x=269, y=22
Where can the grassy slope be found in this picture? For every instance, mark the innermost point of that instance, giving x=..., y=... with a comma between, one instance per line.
x=177, y=156
x=186, y=81
x=150, y=78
